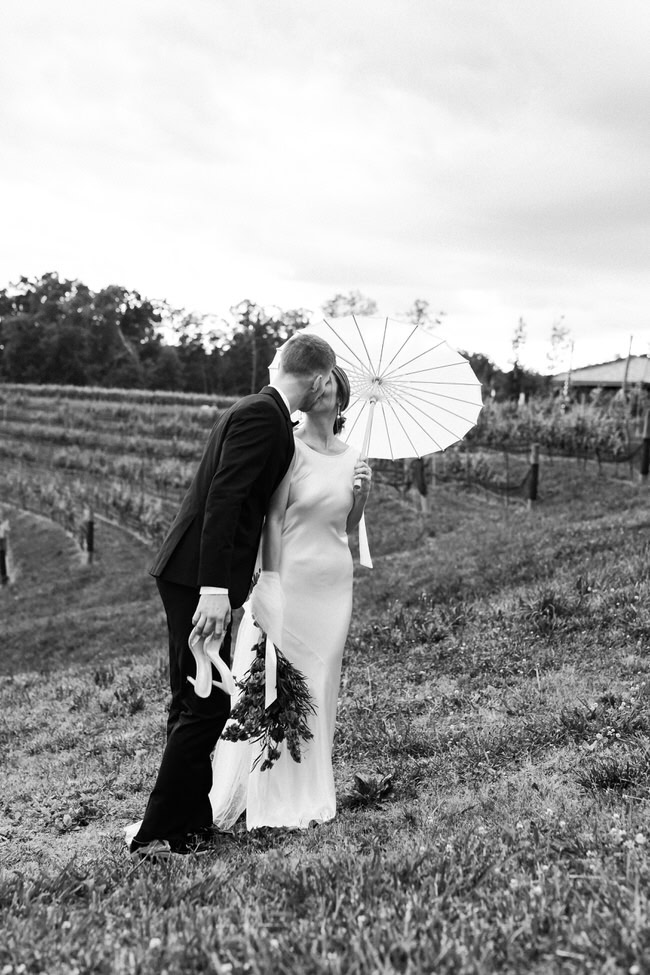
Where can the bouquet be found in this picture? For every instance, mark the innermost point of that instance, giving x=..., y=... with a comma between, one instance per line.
x=285, y=720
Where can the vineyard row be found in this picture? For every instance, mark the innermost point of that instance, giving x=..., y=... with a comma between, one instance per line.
x=177, y=425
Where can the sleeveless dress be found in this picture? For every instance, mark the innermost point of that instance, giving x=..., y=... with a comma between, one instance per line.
x=316, y=578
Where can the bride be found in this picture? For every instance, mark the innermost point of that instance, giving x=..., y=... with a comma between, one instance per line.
x=305, y=540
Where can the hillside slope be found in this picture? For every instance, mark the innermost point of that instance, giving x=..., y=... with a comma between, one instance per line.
x=491, y=756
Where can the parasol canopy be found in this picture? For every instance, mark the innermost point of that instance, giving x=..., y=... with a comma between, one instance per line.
x=412, y=393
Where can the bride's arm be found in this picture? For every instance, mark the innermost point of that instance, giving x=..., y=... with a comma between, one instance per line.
x=271, y=535
x=362, y=477
x=267, y=599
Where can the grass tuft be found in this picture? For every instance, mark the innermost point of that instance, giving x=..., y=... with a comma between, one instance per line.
x=618, y=773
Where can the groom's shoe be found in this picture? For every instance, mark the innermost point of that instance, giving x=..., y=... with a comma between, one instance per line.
x=153, y=852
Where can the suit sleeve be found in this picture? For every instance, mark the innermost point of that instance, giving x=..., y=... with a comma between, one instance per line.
x=249, y=451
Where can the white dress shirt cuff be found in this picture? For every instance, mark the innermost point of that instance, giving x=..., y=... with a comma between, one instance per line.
x=213, y=591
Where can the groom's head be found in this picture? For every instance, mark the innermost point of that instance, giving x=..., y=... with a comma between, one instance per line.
x=306, y=362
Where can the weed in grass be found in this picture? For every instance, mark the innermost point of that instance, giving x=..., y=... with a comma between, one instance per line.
x=549, y=610
x=64, y=815
x=368, y=790
x=384, y=735
x=52, y=742
x=104, y=675
x=610, y=719
x=79, y=701
x=425, y=622
x=478, y=752
x=618, y=772
x=585, y=584
x=127, y=698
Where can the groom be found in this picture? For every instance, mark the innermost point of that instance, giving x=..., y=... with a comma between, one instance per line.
x=205, y=567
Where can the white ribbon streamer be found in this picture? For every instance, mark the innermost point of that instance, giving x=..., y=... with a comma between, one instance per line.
x=270, y=673
x=364, y=548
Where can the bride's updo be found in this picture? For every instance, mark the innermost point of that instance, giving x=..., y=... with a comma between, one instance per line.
x=342, y=397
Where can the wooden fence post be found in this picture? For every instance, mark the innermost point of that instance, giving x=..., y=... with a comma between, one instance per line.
x=418, y=471
x=89, y=523
x=4, y=547
x=645, y=448
x=534, y=474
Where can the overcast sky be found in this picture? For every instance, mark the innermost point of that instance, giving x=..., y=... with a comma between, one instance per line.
x=489, y=156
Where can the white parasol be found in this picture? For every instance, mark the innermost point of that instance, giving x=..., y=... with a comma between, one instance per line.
x=412, y=393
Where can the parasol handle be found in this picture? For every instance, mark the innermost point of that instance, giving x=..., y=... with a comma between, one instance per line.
x=366, y=437
x=364, y=551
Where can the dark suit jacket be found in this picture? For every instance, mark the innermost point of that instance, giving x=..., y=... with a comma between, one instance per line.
x=215, y=536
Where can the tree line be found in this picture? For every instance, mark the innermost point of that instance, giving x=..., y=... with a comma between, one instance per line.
x=54, y=330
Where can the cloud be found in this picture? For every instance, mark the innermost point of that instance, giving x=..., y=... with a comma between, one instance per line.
x=491, y=158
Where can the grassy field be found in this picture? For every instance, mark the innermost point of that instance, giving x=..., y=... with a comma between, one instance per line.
x=491, y=757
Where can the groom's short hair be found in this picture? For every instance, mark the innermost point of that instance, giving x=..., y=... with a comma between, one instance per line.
x=306, y=355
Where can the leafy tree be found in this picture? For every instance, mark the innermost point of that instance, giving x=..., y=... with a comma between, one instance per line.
x=59, y=331
x=22, y=357
x=200, y=341
x=492, y=379
x=192, y=354
x=257, y=335
x=515, y=377
x=420, y=314
x=518, y=341
x=121, y=323
x=162, y=367
x=55, y=330
x=560, y=344
x=352, y=303
x=65, y=350
x=497, y=384
x=31, y=316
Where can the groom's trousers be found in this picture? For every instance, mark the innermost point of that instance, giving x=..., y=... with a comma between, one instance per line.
x=179, y=804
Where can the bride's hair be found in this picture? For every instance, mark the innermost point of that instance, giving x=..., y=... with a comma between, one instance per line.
x=342, y=397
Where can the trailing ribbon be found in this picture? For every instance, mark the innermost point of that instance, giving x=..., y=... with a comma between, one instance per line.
x=270, y=673
x=364, y=548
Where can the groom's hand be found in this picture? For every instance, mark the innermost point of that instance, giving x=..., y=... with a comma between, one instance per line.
x=212, y=615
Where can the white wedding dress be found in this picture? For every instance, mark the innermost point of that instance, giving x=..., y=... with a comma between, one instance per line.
x=316, y=578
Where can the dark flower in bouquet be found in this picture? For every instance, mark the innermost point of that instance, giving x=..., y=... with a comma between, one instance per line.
x=284, y=721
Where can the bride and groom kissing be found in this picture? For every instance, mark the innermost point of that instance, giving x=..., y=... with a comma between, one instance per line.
x=300, y=495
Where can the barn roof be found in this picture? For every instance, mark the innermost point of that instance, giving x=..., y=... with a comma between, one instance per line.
x=609, y=373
